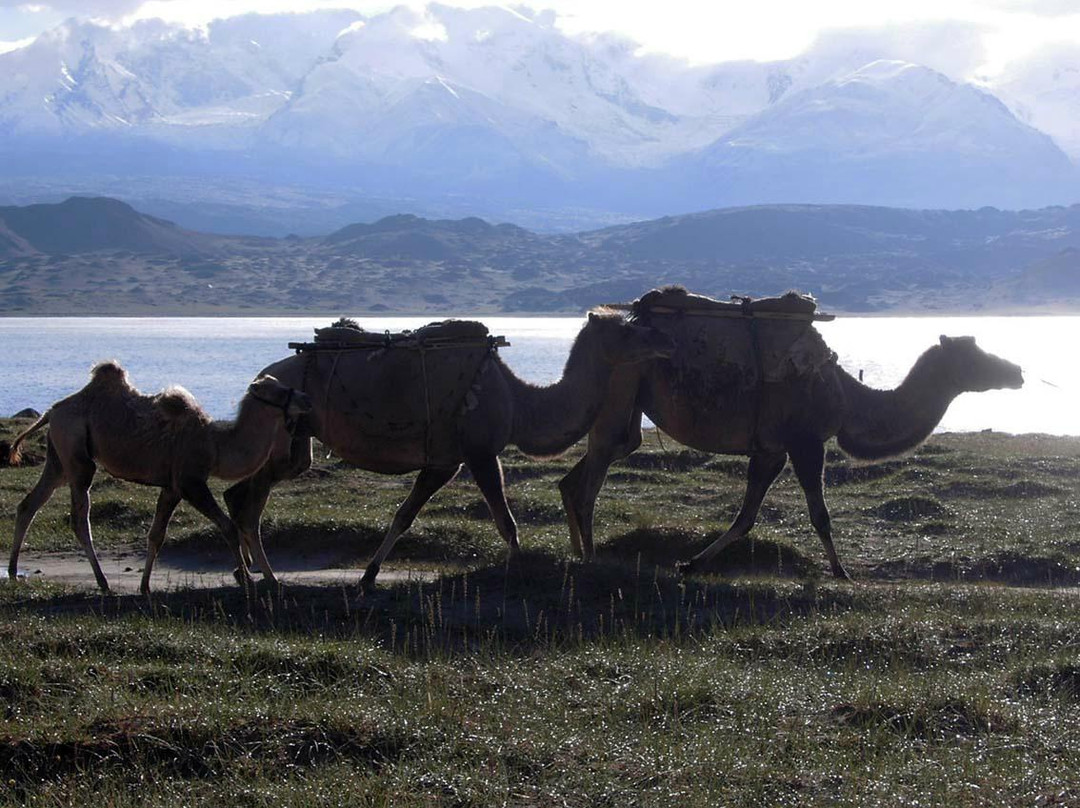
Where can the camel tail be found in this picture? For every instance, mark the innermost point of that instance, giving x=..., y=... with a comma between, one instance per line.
x=15, y=453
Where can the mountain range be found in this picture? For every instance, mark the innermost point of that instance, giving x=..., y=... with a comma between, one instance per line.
x=272, y=124
x=101, y=256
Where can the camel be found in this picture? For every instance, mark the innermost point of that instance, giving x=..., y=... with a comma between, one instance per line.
x=165, y=440
x=694, y=397
x=394, y=411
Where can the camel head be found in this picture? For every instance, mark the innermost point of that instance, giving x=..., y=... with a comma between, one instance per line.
x=269, y=391
x=624, y=342
x=973, y=370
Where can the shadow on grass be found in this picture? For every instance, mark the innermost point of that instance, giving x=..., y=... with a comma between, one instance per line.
x=536, y=601
x=1003, y=567
x=750, y=556
x=308, y=546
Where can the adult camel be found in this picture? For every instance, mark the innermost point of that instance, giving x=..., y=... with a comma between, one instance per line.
x=395, y=410
x=164, y=440
x=717, y=403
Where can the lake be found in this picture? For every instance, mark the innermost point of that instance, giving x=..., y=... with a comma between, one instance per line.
x=44, y=359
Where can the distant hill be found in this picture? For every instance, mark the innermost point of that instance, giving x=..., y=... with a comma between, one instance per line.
x=1056, y=276
x=100, y=256
x=87, y=224
x=410, y=237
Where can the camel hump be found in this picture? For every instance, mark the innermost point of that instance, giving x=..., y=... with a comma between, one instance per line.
x=176, y=403
x=109, y=373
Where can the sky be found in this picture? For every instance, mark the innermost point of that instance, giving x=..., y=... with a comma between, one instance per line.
x=981, y=36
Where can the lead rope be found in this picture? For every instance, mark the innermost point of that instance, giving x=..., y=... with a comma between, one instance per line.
x=326, y=404
x=755, y=343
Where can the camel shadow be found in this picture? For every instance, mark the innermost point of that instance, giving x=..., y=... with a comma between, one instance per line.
x=665, y=547
x=536, y=601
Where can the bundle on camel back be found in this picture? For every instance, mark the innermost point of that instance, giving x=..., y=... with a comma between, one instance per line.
x=164, y=440
x=736, y=347
x=757, y=379
x=440, y=364
x=433, y=400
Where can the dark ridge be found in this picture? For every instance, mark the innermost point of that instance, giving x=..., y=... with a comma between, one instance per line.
x=89, y=224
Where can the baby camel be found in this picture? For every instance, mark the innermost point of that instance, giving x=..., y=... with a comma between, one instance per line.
x=164, y=440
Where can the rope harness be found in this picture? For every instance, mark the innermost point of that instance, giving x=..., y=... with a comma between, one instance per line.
x=290, y=422
x=423, y=345
x=743, y=308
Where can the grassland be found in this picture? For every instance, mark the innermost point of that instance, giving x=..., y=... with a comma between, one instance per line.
x=948, y=673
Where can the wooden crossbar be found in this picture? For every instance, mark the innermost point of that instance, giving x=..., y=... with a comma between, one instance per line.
x=401, y=341
x=735, y=312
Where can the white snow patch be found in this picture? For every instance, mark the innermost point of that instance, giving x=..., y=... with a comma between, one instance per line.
x=430, y=31
x=356, y=26
x=14, y=45
x=67, y=77
x=447, y=87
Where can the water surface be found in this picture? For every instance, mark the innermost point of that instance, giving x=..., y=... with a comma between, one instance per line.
x=44, y=359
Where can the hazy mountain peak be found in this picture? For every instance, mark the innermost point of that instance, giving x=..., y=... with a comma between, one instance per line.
x=499, y=105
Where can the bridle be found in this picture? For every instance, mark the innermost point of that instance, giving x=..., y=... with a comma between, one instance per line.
x=290, y=421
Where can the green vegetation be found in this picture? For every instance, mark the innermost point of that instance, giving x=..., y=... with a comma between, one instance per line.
x=947, y=674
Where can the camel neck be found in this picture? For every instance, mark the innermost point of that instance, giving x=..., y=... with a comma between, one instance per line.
x=550, y=419
x=883, y=423
x=243, y=445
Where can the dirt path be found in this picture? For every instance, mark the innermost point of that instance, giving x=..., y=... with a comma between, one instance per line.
x=177, y=570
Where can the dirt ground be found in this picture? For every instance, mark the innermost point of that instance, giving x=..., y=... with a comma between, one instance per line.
x=179, y=570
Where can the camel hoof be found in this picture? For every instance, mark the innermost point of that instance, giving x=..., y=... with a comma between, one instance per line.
x=367, y=582
x=684, y=567
x=841, y=574
x=243, y=579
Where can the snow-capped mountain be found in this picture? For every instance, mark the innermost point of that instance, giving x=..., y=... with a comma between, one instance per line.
x=151, y=77
x=931, y=142
x=499, y=105
x=1044, y=91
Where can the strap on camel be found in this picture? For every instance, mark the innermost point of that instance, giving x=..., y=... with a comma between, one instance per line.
x=792, y=308
x=423, y=344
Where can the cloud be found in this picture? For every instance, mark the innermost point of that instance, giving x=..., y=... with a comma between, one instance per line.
x=107, y=9
x=1040, y=8
x=954, y=48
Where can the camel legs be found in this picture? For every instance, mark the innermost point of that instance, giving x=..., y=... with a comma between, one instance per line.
x=168, y=499
x=428, y=481
x=52, y=476
x=198, y=495
x=246, y=500
x=80, y=481
x=488, y=473
x=764, y=469
x=808, y=460
x=581, y=486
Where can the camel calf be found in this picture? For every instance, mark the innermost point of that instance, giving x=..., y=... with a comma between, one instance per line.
x=164, y=440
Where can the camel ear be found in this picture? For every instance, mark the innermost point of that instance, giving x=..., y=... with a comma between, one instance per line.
x=592, y=316
x=944, y=340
